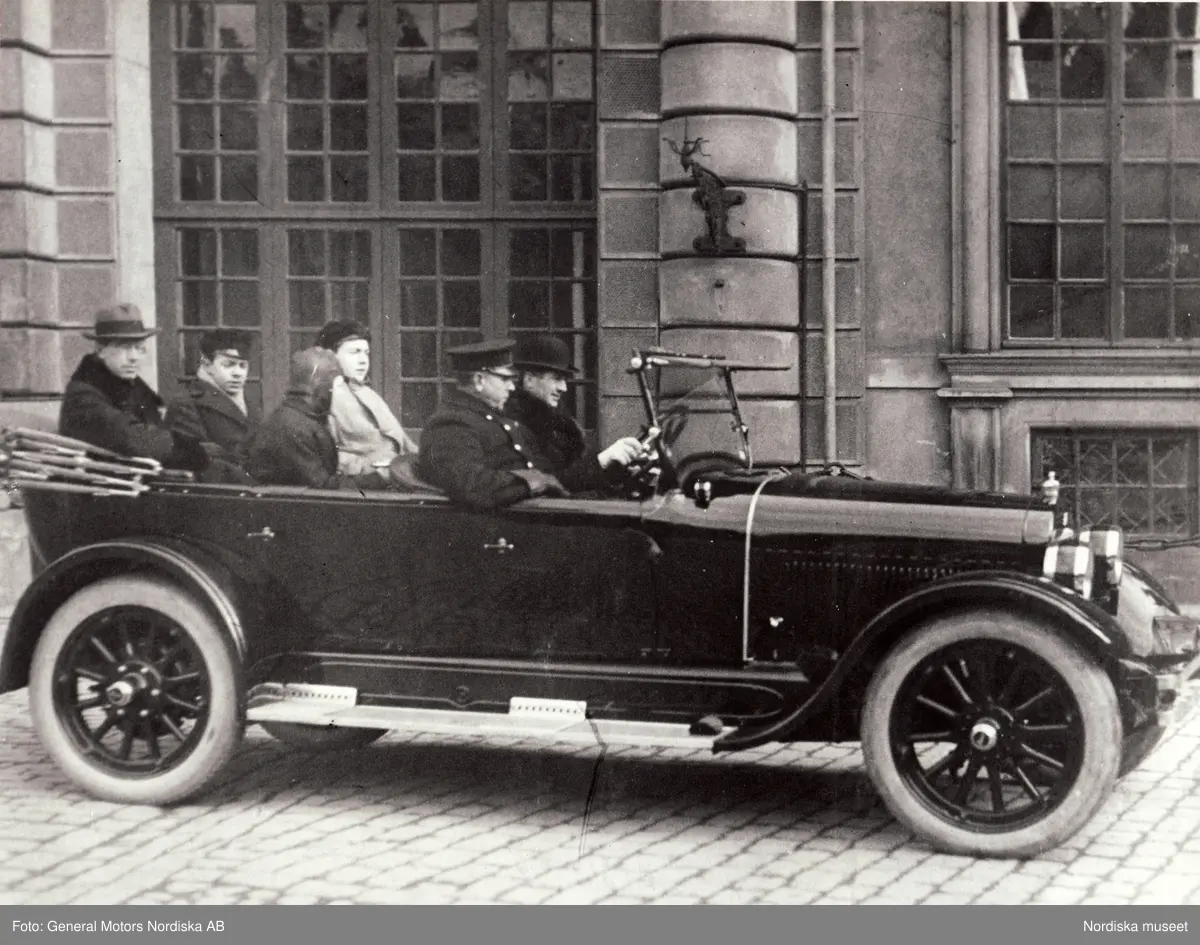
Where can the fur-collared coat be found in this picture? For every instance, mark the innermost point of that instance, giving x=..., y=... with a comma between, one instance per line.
x=560, y=445
x=123, y=416
x=204, y=413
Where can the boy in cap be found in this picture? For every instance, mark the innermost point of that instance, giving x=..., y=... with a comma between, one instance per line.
x=469, y=447
x=294, y=447
x=545, y=365
x=212, y=407
x=108, y=405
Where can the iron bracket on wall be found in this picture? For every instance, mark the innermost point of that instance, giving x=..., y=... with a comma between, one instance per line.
x=713, y=199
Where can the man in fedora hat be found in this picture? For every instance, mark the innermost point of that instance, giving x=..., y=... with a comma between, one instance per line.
x=470, y=447
x=544, y=362
x=108, y=405
x=212, y=407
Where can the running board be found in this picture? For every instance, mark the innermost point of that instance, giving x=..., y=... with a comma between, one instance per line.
x=553, y=720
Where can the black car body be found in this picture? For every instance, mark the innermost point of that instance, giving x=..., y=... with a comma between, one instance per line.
x=1000, y=670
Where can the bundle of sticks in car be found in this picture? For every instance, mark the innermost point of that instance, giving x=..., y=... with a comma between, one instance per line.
x=33, y=459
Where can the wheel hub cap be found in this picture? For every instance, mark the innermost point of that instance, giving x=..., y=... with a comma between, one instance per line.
x=124, y=690
x=985, y=735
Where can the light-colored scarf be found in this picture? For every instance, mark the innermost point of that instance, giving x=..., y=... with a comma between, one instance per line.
x=365, y=429
x=202, y=374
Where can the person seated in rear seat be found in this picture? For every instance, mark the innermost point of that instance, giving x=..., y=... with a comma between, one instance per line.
x=294, y=447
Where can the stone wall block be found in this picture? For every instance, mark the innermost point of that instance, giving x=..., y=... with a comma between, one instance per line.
x=752, y=148
x=742, y=344
x=83, y=159
x=28, y=224
x=26, y=21
x=711, y=290
x=83, y=289
x=82, y=89
x=720, y=77
x=14, y=360
x=86, y=227
x=617, y=346
x=79, y=25
x=773, y=22
x=26, y=154
x=45, y=374
x=26, y=83
x=767, y=221
x=28, y=293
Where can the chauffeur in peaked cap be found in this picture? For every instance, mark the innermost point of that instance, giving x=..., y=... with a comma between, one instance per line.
x=470, y=447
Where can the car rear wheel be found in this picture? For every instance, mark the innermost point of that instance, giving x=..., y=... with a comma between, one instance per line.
x=988, y=734
x=322, y=737
x=133, y=691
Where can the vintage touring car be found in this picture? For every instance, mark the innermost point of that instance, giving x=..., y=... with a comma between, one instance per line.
x=1000, y=670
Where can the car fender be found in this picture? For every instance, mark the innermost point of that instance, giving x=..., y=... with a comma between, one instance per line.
x=213, y=582
x=1065, y=613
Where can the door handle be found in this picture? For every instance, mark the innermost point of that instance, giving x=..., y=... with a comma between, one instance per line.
x=501, y=546
x=266, y=533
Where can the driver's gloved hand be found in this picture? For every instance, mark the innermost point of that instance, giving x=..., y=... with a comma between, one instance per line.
x=541, y=483
x=623, y=452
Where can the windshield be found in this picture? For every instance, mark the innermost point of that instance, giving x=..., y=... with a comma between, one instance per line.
x=695, y=411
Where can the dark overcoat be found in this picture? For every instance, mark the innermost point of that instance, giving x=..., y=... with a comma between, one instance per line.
x=560, y=445
x=293, y=447
x=204, y=413
x=472, y=451
x=123, y=416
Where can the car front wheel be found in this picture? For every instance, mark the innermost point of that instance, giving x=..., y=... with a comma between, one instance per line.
x=322, y=737
x=133, y=691
x=988, y=734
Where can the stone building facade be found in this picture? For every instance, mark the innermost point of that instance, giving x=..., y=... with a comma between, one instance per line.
x=967, y=227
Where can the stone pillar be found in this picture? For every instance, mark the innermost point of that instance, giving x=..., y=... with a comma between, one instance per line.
x=975, y=435
x=729, y=77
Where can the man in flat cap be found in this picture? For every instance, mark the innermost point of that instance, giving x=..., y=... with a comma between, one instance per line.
x=108, y=405
x=469, y=447
x=544, y=363
x=212, y=407
x=294, y=447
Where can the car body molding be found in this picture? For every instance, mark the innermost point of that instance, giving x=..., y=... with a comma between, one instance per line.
x=1096, y=631
x=179, y=559
x=746, y=562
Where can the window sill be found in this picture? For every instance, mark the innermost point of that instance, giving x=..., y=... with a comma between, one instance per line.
x=1170, y=372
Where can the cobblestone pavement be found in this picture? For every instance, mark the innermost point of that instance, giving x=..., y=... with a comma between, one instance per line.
x=445, y=820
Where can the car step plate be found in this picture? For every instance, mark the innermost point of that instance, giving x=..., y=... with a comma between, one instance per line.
x=548, y=719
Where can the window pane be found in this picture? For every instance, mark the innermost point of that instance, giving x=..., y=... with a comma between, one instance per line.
x=193, y=25
x=350, y=301
x=1031, y=311
x=306, y=253
x=1146, y=20
x=462, y=304
x=418, y=303
x=1082, y=251
x=1147, y=132
x=197, y=252
x=1146, y=192
x=239, y=252
x=571, y=178
x=306, y=127
x=1084, y=192
x=348, y=77
x=418, y=177
x=347, y=26
x=527, y=127
x=349, y=179
x=572, y=24
x=1187, y=313
x=197, y=178
x=1083, y=20
x=458, y=26
x=348, y=128
x=1187, y=252
x=239, y=179
x=1084, y=133
x=306, y=179
x=529, y=304
x=460, y=179
x=1187, y=72
x=527, y=24
x=199, y=303
x=573, y=76
x=461, y=254
x=414, y=23
x=418, y=252
x=1031, y=251
x=417, y=403
x=239, y=303
x=1083, y=71
x=418, y=354
x=1147, y=312
x=1187, y=132
x=305, y=77
x=1031, y=192
x=460, y=77
x=306, y=25
x=1187, y=192
x=195, y=124
x=572, y=127
x=527, y=177
x=350, y=253
x=414, y=77
x=528, y=75
x=239, y=128
x=1031, y=132
x=1148, y=252
x=194, y=76
x=306, y=303
x=415, y=127
x=235, y=25
x=529, y=252
x=238, y=78
x=1084, y=312
x=1146, y=68
x=460, y=127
